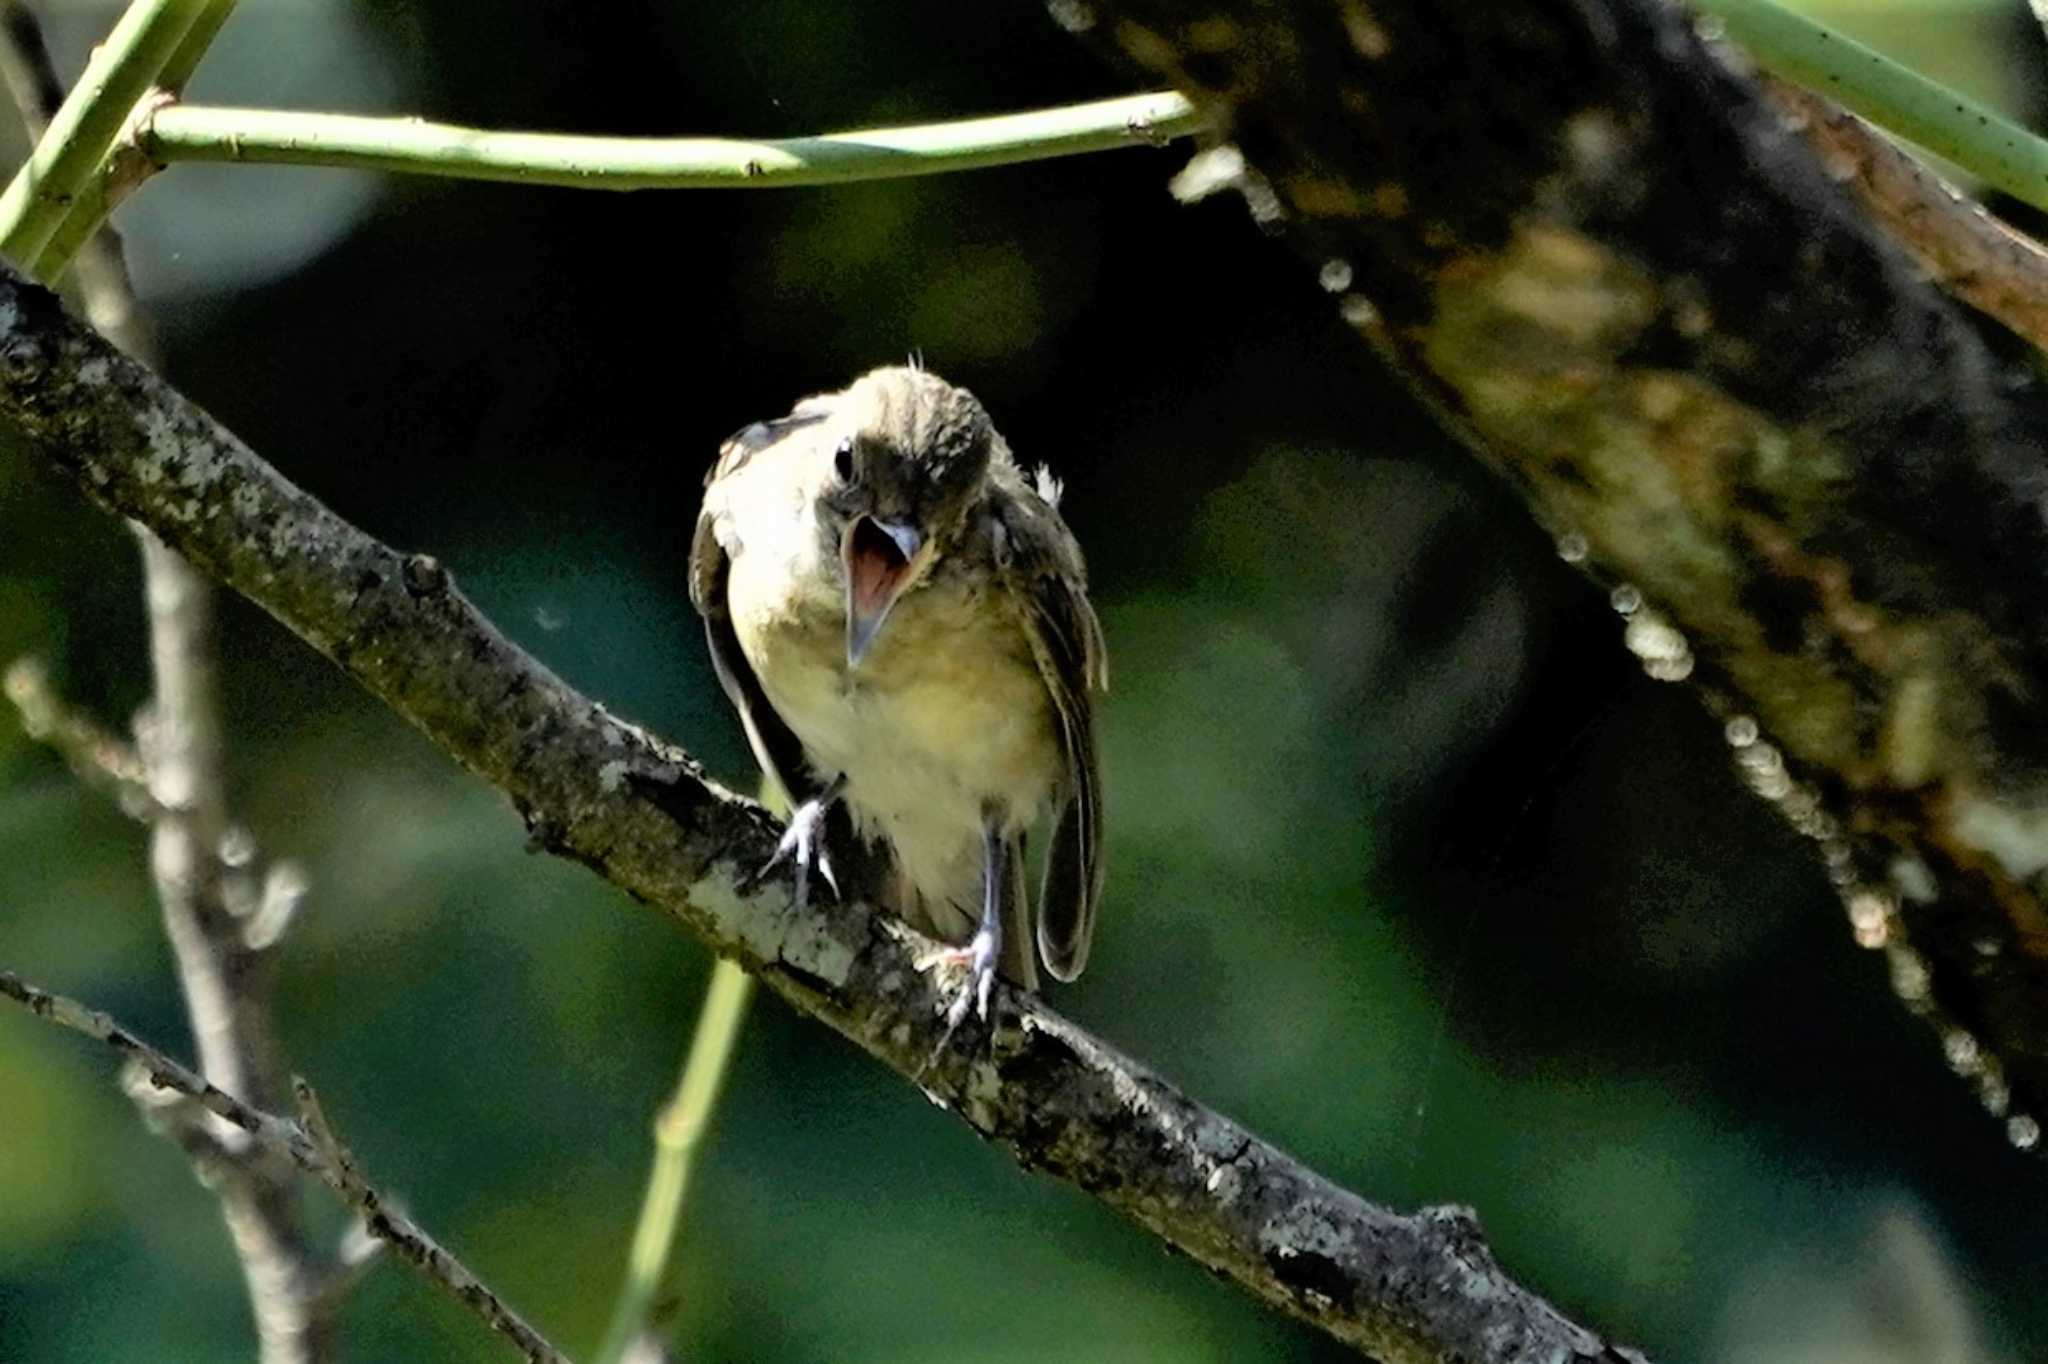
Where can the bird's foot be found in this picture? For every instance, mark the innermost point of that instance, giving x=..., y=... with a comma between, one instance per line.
x=976, y=962
x=803, y=847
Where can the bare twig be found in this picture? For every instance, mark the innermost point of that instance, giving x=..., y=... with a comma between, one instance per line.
x=99, y=757
x=640, y=812
x=405, y=1236
x=223, y=967
x=310, y=1146
x=163, y=1072
x=227, y=979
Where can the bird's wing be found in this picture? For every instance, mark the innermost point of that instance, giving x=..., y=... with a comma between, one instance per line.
x=775, y=747
x=1045, y=571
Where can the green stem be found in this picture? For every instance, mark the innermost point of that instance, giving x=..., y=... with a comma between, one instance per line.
x=197, y=133
x=92, y=203
x=121, y=72
x=192, y=48
x=678, y=1130
x=1900, y=100
x=88, y=209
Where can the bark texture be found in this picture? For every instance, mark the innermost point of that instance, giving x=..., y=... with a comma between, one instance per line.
x=1812, y=481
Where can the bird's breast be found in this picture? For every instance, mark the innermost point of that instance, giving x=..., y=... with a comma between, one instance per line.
x=946, y=716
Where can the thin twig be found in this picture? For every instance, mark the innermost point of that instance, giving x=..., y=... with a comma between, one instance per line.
x=224, y=968
x=163, y=1072
x=226, y=977
x=165, y=131
x=405, y=1236
x=97, y=756
x=310, y=1145
x=184, y=132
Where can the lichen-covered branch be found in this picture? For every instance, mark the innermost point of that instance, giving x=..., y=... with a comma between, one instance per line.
x=309, y=1145
x=638, y=810
x=1814, y=483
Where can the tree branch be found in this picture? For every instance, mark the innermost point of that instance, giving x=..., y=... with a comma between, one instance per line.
x=310, y=1145
x=1814, y=484
x=641, y=813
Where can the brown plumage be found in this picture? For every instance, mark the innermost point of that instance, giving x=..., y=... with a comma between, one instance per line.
x=901, y=617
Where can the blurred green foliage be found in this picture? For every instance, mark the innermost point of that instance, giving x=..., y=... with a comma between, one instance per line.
x=1409, y=871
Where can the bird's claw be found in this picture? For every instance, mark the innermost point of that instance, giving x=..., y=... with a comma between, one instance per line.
x=977, y=961
x=803, y=846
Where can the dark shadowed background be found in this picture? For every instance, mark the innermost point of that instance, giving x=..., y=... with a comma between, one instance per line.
x=1411, y=870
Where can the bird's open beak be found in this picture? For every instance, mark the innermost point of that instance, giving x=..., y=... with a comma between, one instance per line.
x=879, y=556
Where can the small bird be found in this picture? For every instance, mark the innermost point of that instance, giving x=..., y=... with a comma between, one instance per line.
x=901, y=618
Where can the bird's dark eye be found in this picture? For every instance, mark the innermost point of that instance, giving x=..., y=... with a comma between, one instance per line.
x=842, y=460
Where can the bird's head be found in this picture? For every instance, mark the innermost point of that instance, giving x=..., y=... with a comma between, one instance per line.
x=909, y=452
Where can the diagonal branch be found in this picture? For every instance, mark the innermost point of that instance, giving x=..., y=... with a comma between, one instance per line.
x=640, y=812
x=310, y=1145
x=1813, y=483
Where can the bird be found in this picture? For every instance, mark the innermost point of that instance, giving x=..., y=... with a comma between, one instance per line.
x=901, y=618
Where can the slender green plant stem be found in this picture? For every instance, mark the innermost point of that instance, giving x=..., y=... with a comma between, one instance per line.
x=1975, y=137
x=95, y=199
x=193, y=47
x=198, y=133
x=121, y=72
x=87, y=210
x=678, y=1130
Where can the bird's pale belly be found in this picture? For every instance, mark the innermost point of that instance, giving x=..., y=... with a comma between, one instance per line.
x=946, y=718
